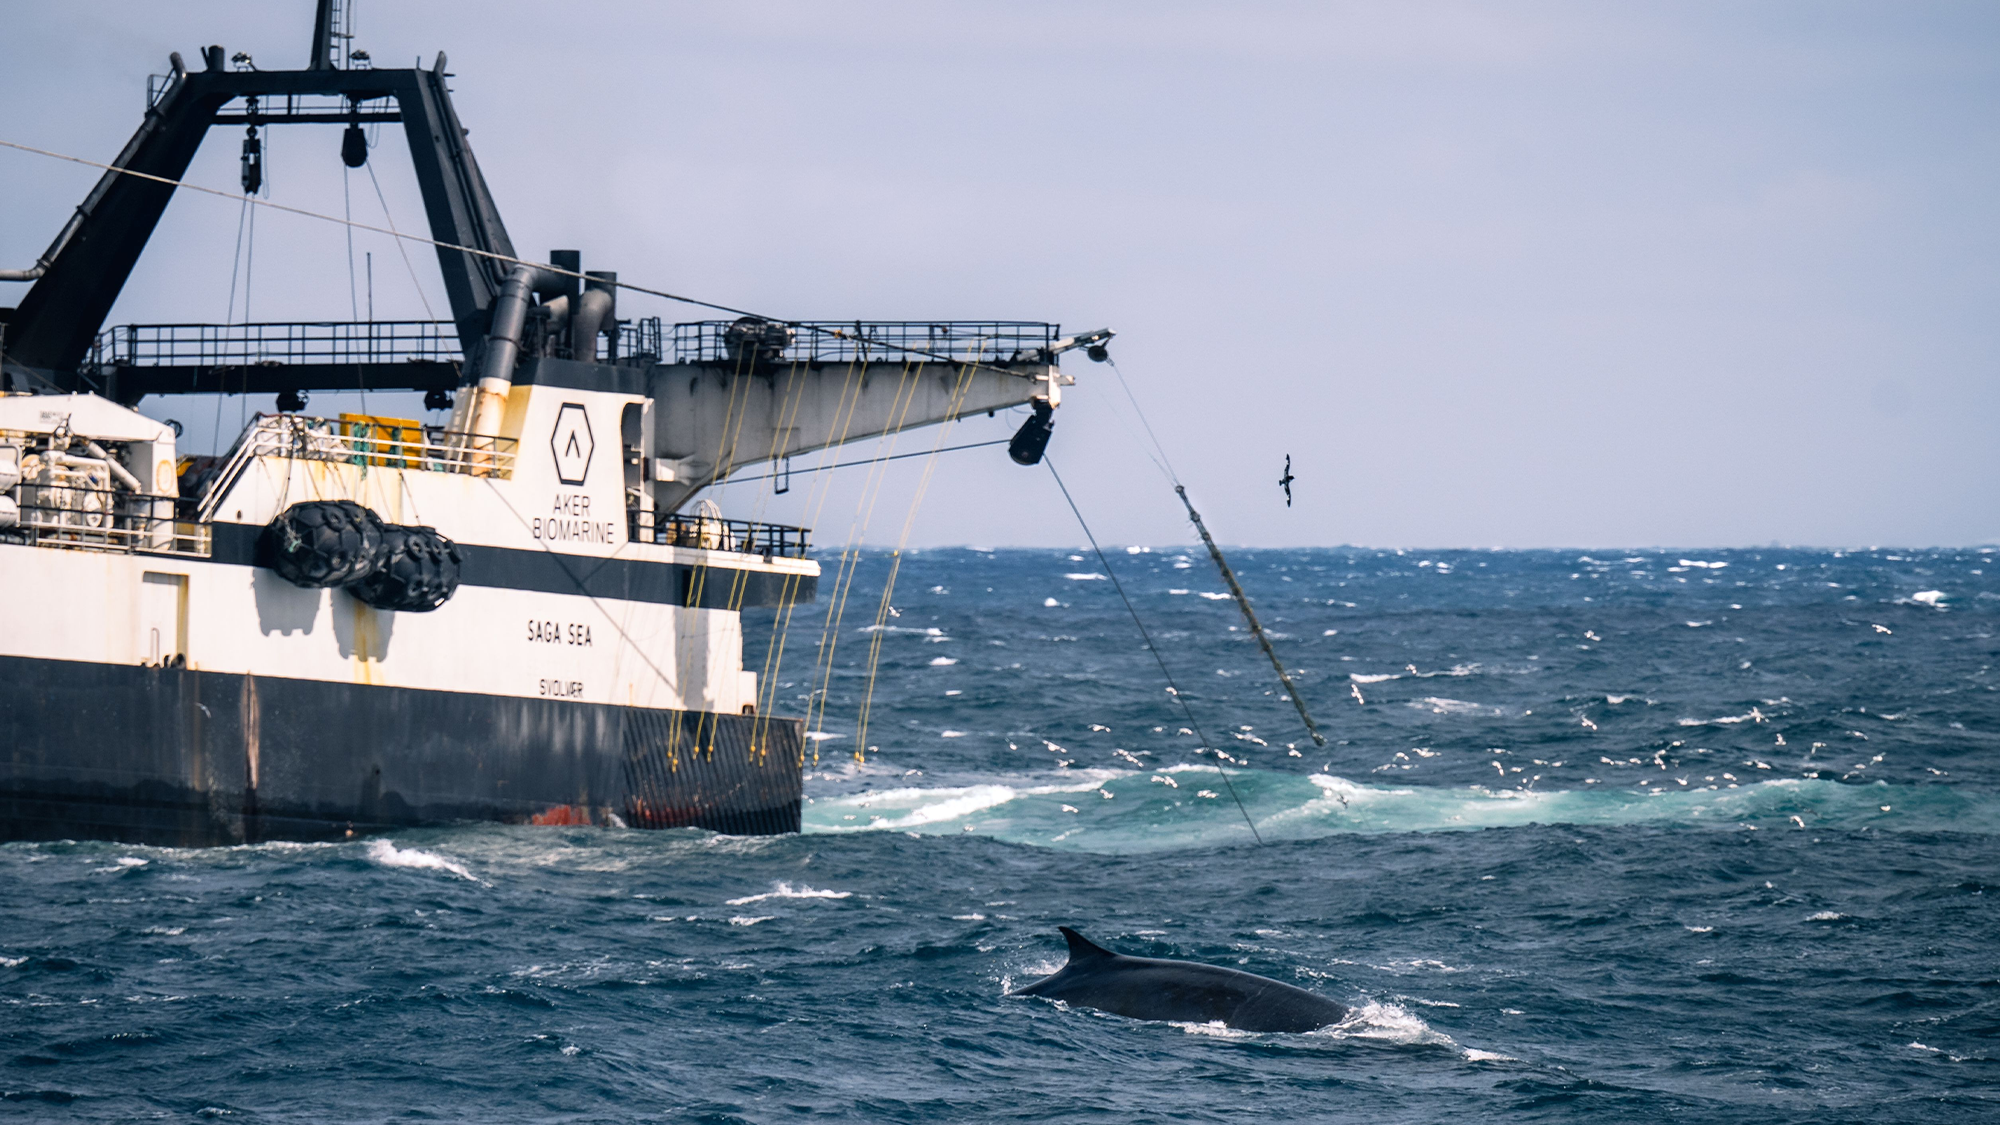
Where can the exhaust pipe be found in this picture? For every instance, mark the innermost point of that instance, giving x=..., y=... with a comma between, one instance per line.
x=503, y=347
x=592, y=309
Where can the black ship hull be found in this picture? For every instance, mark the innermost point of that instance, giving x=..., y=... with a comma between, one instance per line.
x=179, y=757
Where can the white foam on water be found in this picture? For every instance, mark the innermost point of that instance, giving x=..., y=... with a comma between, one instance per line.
x=943, y=661
x=1364, y=678
x=1417, y=965
x=1084, y=577
x=1387, y=1023
x=122, y=863
x=1753, y=716
x=786, y=890
x=389, y=855
x=745, y=920
x=1437, y=705
x=916, y=806
x=1825, y=916
x=1214, y=1028
x=1152, y=816
x=1930, y=598
x=1454, y=670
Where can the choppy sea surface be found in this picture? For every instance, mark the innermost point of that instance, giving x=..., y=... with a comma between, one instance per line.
x=1618, y=836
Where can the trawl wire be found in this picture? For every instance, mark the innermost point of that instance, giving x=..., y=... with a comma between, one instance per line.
x=1221, y=564
x=1172, y=688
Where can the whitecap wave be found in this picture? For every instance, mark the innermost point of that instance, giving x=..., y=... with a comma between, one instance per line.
x=1199, y=812
x=122, y=863
x=786, y=890
x=389, y=855
x=1438, y=705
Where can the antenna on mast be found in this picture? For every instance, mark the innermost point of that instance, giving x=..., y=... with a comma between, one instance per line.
x=333, y=31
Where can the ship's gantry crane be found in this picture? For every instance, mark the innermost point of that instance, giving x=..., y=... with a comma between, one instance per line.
x=722, y=394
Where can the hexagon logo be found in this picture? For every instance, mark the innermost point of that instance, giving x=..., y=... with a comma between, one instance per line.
x=572, y=444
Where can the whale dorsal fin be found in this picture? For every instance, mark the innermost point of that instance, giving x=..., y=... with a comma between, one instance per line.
x=1082, y=948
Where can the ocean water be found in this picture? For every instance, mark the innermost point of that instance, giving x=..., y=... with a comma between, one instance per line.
x=1625, y=836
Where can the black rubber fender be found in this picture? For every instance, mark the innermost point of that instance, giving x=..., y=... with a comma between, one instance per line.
x=416, y=571
x=322, y=543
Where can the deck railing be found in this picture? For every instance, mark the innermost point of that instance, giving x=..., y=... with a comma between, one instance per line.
x=868, y=341
x=640, y=342
x=103, y=519
x=243, y=345
x=711, y=533
x=360, y=441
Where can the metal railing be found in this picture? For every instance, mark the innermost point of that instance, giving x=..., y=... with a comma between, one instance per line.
x=103, y=519
x=640, y=342
x=371, y=442
x=712, y=534
x=322, y=109
x=874, y=341
x=243, y=345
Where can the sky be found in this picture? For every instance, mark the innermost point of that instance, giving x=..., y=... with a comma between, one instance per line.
x=1493, y=275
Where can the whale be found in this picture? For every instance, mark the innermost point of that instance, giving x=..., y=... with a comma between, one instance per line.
x=1151, y=988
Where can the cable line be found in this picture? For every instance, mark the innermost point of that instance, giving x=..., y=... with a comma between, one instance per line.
x=1165, y=464
x=1221, y=564
x=871, y=461
x=393, y=233
x=1172, y=688
x=1256, y=629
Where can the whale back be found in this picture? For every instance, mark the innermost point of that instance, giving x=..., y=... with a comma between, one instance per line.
x=1150, y=988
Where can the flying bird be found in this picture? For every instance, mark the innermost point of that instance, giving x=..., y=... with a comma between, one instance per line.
x=1285, y=482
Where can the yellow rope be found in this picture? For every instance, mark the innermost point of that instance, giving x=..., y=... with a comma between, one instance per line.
x=899, y=407
x=821, y=490
x=957, y=401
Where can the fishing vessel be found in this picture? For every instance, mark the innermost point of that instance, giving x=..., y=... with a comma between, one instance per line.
x=526, y=613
